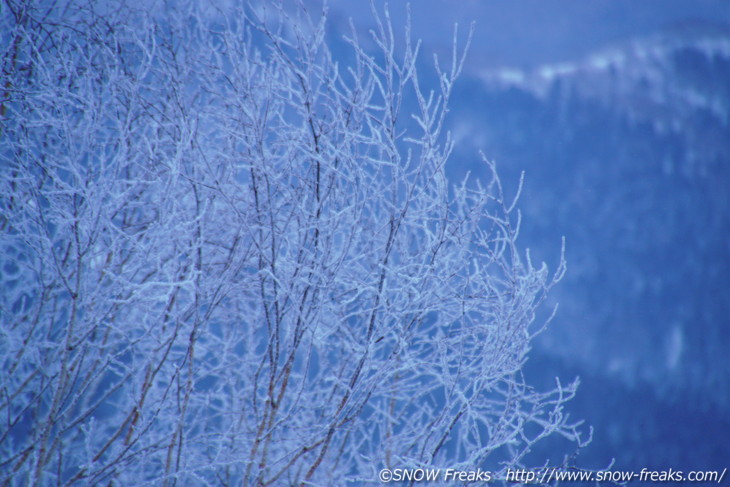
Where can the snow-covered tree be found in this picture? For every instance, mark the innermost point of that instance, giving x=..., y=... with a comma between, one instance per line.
x=230, y=258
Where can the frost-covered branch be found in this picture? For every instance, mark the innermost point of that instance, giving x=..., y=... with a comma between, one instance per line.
x=230, y=257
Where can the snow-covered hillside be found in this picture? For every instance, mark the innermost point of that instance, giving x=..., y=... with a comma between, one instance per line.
x=627, y=154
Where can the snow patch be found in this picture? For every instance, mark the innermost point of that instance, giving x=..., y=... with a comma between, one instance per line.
x=674, y=347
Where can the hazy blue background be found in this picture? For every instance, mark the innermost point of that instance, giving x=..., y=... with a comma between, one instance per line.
x=618, y=112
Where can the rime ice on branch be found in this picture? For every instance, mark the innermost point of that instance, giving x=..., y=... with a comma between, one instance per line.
x=230, y=259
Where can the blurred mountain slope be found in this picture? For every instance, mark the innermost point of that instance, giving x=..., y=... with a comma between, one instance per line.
x=627, y=154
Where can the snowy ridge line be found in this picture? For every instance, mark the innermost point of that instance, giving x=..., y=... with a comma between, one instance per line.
x=641, y=77
x=651, y=50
